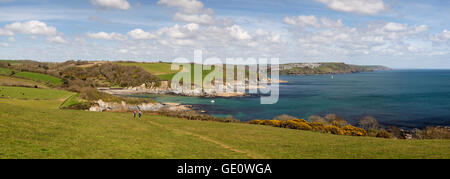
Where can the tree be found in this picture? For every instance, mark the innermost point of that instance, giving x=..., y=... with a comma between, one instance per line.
x=315, y=118
x=284, y=117
x=368, y=122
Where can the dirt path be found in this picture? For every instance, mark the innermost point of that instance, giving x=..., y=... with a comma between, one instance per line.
x=205, y=138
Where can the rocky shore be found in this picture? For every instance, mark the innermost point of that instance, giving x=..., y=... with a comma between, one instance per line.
x=100, y=106
x=164, y=89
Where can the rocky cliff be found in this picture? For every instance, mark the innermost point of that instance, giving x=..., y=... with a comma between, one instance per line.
x=101, y=106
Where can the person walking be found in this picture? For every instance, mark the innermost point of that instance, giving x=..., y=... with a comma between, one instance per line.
x=134, y=114
x=140, y=114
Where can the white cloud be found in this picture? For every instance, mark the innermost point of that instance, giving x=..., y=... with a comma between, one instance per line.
x=122, y=51
x=366, y=7
x=56, y=39
x=178, y=31
x=4, y=32
x=32, y=28
x=444, y=36
x=190, y=11
x=106, y=36
x=220, y=40
x=4, y=45
x=328, y=23
x=302, y=21
x=185, y=6
x=312, y=21
x=238, y=33
x=195, y=18
x=328, y=39
x=140, y=34
x=395, y=27
x=118, y=4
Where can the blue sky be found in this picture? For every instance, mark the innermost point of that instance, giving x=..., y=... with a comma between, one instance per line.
x=396, y=33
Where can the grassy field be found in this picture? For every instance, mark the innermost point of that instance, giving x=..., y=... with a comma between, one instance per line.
x=32, y=93
x=39, y=129
x=154, y=68
x=163, y=70
x=12, y=62
x=5, y=71
x=11, y=81
x=39, y=77
x=74, y=99
x=32, y=76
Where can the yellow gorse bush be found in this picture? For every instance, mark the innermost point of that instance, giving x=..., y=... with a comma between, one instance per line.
x=301, y=124
x=354, y=131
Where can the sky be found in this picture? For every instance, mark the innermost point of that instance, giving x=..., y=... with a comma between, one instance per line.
x=394, y=33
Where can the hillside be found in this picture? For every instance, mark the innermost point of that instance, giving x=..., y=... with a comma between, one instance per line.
x=32, y=128
x=38, y=77
x=325, y=68
x=163, y=71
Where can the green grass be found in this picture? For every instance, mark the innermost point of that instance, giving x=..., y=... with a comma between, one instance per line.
x=72, y=100
x=40, y=77
x=163, y=70
x=153, y=68
x=12, y=62
x=5, y=71
x=166, y=77
x=12, y=81
x=32, y=76
x=39, y=129
x=33, y=93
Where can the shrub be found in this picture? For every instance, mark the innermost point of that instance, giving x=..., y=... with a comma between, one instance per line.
x=372, y=132
x=299, y=120
x=334, y=130
x=304, y=126
x=79, y=106
x=332, y=117
x=283, y=117
x=339, y=123
x=354, y=131
x=433, y=133
x=4, y=64
x=229, y=118
x=384, y=134
x=395, y=132
x=108, y=74
x=317, y=126
x=338, y=127
x=368, y=122
x=315, y=118
x=257, y=121
x=274, y=123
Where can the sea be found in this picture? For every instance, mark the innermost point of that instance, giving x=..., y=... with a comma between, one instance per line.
x=404, y=98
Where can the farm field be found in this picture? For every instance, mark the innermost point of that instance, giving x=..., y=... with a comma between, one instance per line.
x=31, y=76
x=11, y=81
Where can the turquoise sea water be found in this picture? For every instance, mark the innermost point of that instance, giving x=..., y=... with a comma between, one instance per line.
x=406, y=98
